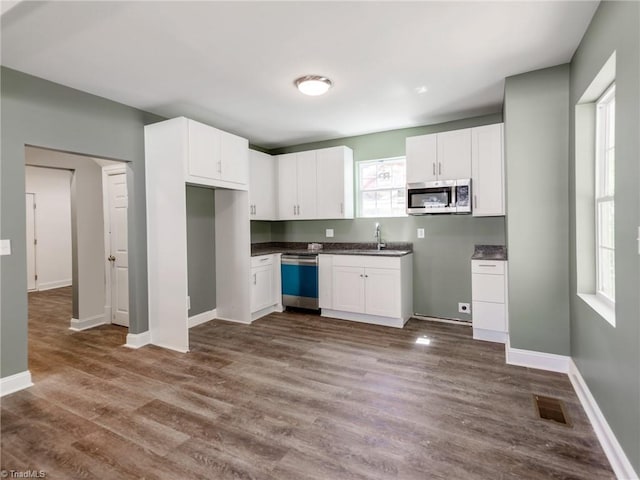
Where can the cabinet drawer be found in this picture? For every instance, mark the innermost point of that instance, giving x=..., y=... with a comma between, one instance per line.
x=366, y=261
x=491, y=267
x=261, y=260
x=487, y=288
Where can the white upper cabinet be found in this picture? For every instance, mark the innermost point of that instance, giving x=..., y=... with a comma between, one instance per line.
x=216, y=158
x=262, y=186
x=487, y=170
x=335, y=183
x=439, y=156
x=316, y=184
x=307, y=185
x=454, y=155
x=422, y=161
x=296, y=186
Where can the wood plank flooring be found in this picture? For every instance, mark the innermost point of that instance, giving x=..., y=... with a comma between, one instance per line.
x=292, y=396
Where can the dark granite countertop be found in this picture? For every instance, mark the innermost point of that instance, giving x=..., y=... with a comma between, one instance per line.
x=489, y=252
x=392, y=249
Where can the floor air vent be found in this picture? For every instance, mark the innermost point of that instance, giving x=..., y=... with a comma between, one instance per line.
x=549, y=408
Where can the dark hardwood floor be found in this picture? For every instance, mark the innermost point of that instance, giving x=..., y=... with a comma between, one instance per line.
x=292, y=396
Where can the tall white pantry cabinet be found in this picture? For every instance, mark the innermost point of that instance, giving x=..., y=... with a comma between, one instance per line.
x=180, y=152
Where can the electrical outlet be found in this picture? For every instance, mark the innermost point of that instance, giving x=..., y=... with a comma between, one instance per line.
x=464, y=308
x=421, y=233
x=329, y=233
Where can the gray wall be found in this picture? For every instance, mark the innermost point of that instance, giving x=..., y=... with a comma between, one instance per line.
x=201, y=251
x=41, y=113
x=536, y=152
x=609, y=357
x=442, y=271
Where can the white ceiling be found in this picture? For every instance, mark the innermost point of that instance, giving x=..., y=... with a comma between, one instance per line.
x=232, y=64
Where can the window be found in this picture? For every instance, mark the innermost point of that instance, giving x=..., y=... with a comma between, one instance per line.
x=604, y=196
x=382, y=188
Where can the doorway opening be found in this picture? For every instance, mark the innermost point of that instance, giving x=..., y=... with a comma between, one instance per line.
x=77, y=245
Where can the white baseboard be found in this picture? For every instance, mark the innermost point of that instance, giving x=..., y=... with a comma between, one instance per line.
x=201, y=318
x=489, y=335
x=540, y=360
x=137, y=340
x=451, y=321
x=14, y=383
x=51, y=285
x=78, y=325
x=364, y=318
x=612, y=449
x=266, y=311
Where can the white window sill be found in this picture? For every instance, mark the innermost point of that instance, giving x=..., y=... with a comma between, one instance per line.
x=600, y=307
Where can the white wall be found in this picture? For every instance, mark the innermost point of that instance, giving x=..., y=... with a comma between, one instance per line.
x=52, y=189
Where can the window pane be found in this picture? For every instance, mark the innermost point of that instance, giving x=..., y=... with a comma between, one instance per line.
x=611, y=122
x=610, y=173
x=382, y=186
x=606, y=225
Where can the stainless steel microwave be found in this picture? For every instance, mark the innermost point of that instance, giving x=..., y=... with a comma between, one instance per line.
x=445, y=196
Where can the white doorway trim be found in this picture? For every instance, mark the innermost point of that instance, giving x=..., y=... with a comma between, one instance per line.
x=107, y=172
x=32, y=242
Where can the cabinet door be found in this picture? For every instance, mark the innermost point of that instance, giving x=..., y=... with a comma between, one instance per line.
x=489, y=316
x=262, y=199
x=307, y=185
x=234, y=158
x=348, y=289
x=261, y=287
x=487, y=172
x=330, y=182
x=287, y=186
x=422, y=161
x=204, y=151
x=487, y=288
x=454, y=154
x=382, y=292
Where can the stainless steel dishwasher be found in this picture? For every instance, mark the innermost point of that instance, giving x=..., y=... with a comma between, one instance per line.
x=300, y=280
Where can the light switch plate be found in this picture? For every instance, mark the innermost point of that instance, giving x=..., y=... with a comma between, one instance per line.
x=5, y=247
x=421, y=233
x=329, y=232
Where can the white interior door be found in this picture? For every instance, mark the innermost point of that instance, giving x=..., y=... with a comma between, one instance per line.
x=119, y=257
x=32, y=277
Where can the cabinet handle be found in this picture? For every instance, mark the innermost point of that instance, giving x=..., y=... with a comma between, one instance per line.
x=361, y=275
x=439, y=168
x=366, y=276
x=433, y=165
x=220, y=167
x=492, y=266
x=298, y=209
x=264, y=259
x=475, y=201
x=254, y=278
x=294, y=209
x=255, y=210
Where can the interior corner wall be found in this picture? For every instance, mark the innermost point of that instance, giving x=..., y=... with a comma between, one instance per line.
x=41, y=113
x=201, y=249
x=608, y=357
x=52, y=190
x=536, y=112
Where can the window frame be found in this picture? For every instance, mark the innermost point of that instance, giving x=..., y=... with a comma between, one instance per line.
x=601, y=194
x=359, y=191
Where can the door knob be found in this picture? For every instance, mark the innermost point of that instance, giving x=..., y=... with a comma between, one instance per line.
x=111, y=258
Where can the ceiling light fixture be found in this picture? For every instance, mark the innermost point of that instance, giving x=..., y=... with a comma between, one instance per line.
x=313, y=85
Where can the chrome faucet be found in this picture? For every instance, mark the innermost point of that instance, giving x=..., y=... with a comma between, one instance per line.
x=378, y=236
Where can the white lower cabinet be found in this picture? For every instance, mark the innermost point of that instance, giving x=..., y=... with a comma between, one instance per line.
x=489, y=300
x=266, y=294
x=368, y=289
